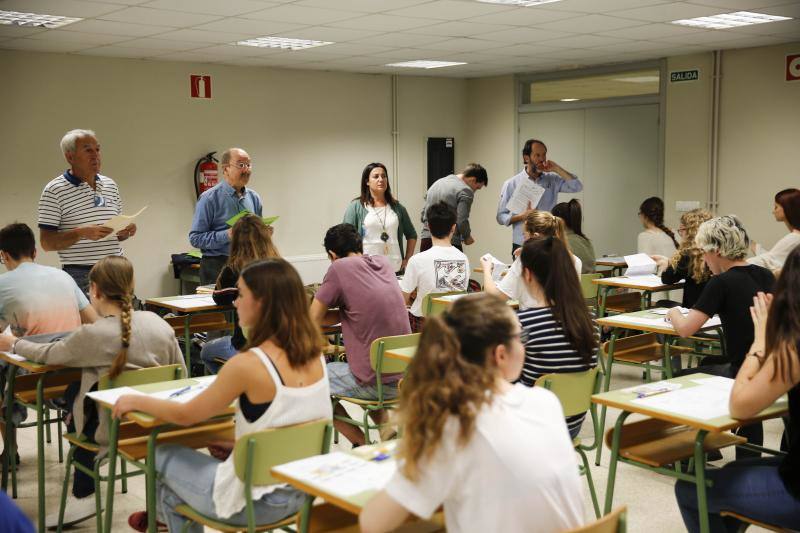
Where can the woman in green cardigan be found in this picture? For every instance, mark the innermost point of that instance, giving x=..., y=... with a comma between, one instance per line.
x=382, y=220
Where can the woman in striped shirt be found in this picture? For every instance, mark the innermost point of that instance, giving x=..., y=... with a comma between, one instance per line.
x=560, y=335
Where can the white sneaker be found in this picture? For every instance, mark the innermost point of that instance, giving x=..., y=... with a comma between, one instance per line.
x=76, y=511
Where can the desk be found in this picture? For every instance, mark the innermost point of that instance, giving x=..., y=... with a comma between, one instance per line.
x=401, y=354
x=189, y=274
x=448, y=300
x=711, y=428
x=155, y=426
x=42, y=371
x=647, y=284
x=188, y=305
x=617, y=264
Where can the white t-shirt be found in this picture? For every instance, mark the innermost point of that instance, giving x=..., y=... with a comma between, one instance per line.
x=374, y=223
x=513, y=286
x=518, y=472
x=655, y=242
x=438, y=269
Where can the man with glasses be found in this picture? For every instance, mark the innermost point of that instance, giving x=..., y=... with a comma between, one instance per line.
x=210, y=231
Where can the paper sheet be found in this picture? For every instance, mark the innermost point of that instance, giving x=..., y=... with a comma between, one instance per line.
x=120, y=222
x=650, y=280
x=341, y=473
x=14, y=356
x=526, y=193
x=653, y=388
x=665, y=310
x=640, y=265
x=656, y=321
x=191, y=301
x=702, y=403
x=110, y=396
x=499, y=268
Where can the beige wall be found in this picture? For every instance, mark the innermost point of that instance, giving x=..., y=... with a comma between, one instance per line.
x=309, y=134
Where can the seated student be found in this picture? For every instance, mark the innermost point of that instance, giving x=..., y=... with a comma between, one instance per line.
x=786, y=210
x=560, y=335
x=537, y=224
x=122, y=340
x=687, y=263
x=572, y=215
x=496, y=456
x=765, y=489
x=34, y=299
x=365, y=290
x=441, y=268
x=279, y=381
x=656, y=239
x=251, y=240
x=729, y=293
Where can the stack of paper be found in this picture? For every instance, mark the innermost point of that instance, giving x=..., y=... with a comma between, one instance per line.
x=640, y=265
x=340, y=473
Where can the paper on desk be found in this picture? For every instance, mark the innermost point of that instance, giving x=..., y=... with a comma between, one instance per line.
x=14, y=356
x=702, y=403
x=120, y=222
x=110, y=396
x=716, y=381
x=188, y=302
x=526, y=193
x=655, y=387
x=665, y=310
x=498, y=267
x=340, y=473
x=640, y=265
x=650, y=280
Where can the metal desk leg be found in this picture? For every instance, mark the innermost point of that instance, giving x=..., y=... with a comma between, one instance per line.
x=187, y=343
x=9, y=461
x=606, y=385
x=150, y=481
x=667, y=359
x=601, y=308
x=612, y=465
x=700, y=480
x=113, y=432
x=40, y=448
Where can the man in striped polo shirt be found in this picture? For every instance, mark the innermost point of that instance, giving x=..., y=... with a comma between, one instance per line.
x=75, y=204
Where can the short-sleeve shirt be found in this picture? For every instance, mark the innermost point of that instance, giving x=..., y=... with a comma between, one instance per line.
x=365, y=290
x=438, y=269
x=68, y=202
x=37, y=299
x=518, y=472
x=513, y=286
x=730, y=295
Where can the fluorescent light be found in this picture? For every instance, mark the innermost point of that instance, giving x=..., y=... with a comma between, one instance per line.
x=422, y=63
x=282, y=42
x=638, y=79
x=523, y=3
x=729, y=20
x=34, y=20
x=570, y=99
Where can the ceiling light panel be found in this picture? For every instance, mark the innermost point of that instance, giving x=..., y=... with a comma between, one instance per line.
x=34, y=20
x=522, y=3
x=422, y=63
x=729, y=20
x=284, y=43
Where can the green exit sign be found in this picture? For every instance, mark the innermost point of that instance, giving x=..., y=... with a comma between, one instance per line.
x=684, y=75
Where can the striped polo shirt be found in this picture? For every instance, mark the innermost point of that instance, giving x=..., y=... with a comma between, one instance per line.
x=67, y=203
x=547, y=351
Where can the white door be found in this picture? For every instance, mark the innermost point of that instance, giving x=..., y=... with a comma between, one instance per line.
x=614, y=151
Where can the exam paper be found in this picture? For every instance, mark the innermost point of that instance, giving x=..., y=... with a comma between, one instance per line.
x=499, y=268
x=110, y=396
x=640, y=265
x=120, y=222
x=340, y=473
x=527, y=192
x=14, y=356
x=200, y=300
x=702, y=403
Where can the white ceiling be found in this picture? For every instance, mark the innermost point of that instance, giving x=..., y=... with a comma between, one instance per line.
x=492, y=39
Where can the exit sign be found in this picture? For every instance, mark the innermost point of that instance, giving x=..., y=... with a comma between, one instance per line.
x=677, y=76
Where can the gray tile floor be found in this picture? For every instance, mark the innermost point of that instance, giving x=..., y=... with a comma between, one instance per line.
x=649, y=497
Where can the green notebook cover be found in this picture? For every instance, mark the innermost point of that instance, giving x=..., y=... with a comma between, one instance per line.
x=267, y=220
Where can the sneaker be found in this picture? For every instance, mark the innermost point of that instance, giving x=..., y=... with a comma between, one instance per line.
x=76, y=511
x=138, y=522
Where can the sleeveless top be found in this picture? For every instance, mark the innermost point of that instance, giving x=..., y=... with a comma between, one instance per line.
x=789, y=468
x=291, y=405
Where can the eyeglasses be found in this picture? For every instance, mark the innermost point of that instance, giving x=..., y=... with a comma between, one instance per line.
x=241, y=165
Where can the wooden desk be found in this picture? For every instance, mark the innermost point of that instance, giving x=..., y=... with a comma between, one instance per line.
x=401, y=354
x=43, y=371
x=448, y=300
x=616, y=265
x=189, y=305
x=620, y=282
x=705, y=428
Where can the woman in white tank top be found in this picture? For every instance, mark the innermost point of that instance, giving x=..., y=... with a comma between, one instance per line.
x=278, y=381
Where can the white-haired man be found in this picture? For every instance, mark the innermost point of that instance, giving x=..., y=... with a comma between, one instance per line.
x=74, y=205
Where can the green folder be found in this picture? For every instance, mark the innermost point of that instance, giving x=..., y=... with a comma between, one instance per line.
x=267, y=220
x=195, y=253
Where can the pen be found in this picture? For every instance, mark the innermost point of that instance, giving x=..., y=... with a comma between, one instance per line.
x=651, y=393
x=180, y=391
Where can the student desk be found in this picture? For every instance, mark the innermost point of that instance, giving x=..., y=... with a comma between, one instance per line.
x=647, y=284
x=47, y=376
x=401, y=354
x=447, y=300
x=155, y=427
x=674, y=443
x=616, y=264
x=189, y=306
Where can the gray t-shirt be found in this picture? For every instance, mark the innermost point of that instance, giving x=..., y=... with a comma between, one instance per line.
x=458, y=195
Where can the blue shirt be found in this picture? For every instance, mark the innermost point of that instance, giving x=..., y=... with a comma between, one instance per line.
x=209, y=230
x=12, y=519
x=552, y=183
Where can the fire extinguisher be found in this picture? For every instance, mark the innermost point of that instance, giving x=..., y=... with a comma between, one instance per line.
x=205, y=173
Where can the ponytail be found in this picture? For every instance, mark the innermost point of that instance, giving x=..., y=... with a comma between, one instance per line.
x=572, y=215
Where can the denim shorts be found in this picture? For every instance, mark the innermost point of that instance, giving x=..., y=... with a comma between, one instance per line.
x=344, y=383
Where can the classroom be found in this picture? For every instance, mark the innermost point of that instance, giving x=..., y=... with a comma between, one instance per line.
x=500, y=146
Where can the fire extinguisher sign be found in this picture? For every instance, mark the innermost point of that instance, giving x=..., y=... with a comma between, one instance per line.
x=793, y=67
x=200, y=86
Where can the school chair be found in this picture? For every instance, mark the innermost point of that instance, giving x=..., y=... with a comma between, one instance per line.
x=254, y=455
x=746, y=522
x=431, y=308
x=613, y=522
x=327, y=518
x=588, y=288
x=574, y=390
x=381, y=365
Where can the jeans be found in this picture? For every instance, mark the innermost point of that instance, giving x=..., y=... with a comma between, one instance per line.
x=80, y=273
x=210, y=267
x=187, y=476
x=221, y=348
x=750, y=487
x=344, y=383
x=82, y=483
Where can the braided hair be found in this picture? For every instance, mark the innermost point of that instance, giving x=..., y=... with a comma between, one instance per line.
x=653, y=210
x=113, y=278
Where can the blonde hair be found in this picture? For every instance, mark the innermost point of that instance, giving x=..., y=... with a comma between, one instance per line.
x=724, y=235
x=546, y=224
x=452, y=375
x=113, y=278
x=696, y=267
x=250, y=242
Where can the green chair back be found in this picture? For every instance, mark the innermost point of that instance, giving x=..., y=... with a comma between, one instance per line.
x=431, y=308
x=277, y=446
x=588, y=288
x=383, y=365
x=574, y=389
x=142, y=376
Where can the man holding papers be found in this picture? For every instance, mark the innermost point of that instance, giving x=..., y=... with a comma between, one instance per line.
x=210, y=231
x=74, y=205
x=535, y=188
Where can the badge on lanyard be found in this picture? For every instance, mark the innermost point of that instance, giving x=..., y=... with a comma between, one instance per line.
x=99, y=201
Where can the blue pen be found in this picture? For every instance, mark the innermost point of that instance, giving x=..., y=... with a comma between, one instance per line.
x=381, y=457
x=180, y=391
